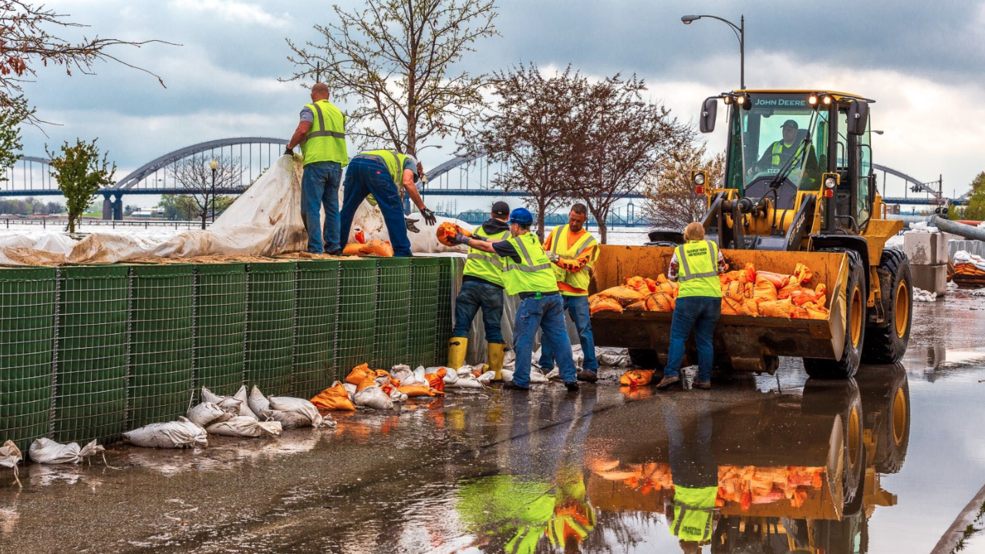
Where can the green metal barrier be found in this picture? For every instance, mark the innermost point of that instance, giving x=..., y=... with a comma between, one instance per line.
x=357, y=300
x=391, y=313
x=447, y=272
x=314, y=327
x=220, y=327
x=270, y=326
x=423, y=310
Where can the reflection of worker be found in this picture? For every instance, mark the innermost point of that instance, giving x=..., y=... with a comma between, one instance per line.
x=780, y=152
x=382, y=173
x=527, y=273
x=572, y=250
x=695, y=265
x=321, y=134
x=695, y=474
x=482, y=287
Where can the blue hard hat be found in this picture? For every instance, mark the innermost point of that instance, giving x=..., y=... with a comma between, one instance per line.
x=521, y=216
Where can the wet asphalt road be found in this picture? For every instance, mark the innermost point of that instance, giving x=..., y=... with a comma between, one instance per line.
x=483, y=471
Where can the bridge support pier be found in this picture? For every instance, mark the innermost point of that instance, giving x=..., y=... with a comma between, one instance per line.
x=112, y=209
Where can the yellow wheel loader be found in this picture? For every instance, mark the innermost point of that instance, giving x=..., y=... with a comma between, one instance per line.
x=799, y=186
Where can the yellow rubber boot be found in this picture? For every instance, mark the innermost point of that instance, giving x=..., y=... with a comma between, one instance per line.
x=497, y=352
x=456, y=351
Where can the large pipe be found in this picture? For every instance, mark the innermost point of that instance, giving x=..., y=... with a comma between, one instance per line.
x=956, y=228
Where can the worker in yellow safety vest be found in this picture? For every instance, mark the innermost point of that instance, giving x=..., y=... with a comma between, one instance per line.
x=527, y=273
x=482, y=288
x=573, y=251
x=692, y=463
x=321, y=134
x=791, y=150
x=695, y=265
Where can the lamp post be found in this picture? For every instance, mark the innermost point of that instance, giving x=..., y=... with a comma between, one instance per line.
x=214, y=164
x=740, y=33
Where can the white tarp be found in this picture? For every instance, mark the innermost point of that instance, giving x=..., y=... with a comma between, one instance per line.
x=263, y=221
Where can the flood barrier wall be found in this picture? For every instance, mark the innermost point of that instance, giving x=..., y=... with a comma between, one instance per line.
x=89, y=352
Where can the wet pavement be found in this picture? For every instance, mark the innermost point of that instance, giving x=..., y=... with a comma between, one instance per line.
x=885, y=463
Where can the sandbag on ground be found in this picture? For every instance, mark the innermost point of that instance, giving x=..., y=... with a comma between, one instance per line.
x=173, y=434
x=47, y=451
x=334, y=398
x=207, y=413
x=243, y=426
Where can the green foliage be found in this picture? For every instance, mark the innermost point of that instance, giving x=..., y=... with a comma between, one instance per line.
x=80, y=173
x=179, y=207
x=975, y=209
x=11, y=118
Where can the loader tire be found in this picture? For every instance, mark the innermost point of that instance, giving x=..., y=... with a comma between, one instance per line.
x=885, y=343
x=642, y=358
x=842, y=400
x=886, y=404
x=855, y=318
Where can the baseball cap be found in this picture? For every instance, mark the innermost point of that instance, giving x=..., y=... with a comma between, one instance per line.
x=791, y=123
x=521, y=216
x=501, y=209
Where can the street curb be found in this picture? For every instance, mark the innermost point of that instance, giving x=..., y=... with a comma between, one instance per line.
x=955, y=532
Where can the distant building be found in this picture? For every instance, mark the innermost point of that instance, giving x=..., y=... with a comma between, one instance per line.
x=148, y=213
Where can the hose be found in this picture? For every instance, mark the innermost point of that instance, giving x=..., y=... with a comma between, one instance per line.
x=956, y=228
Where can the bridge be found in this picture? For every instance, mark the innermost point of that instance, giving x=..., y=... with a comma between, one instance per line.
x=461, y=177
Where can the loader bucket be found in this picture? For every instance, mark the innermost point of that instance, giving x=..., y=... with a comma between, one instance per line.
x=750, y=343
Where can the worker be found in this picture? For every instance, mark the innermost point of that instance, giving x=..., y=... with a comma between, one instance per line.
x=695, y=265
x=778, y=154
x=383, y=173
x=321, y=134
x=572, y=251
x=527, y=273
x=482, y=288
x=692, y=464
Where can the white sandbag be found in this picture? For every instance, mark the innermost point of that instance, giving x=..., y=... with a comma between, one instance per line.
x=47, y=451
x=487, y=377
x=553, y=374
x=416, y=377
x=450, y=374
x=402, y=374
x=373, y=397
x=246, y=426
x=397, y=396
x=244, y=403
x=613, y=357
x=351, y=389
x=536, y=377
x=298, y=406
x=466, y=382
x=173, y=434
x=228, y=404
x=399, y=367
x=257, y=402
x=10, y=455
x=287, y=420
x=207, y=413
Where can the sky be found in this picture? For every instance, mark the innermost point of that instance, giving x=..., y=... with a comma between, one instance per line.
x=921, y=61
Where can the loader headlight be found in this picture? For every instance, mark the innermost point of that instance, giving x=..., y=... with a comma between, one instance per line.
x=830, y=181
x=698, y=179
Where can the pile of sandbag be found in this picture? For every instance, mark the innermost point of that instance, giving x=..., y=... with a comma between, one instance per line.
x=380, y=248
x=748, y=485
x=969, y=270
x=745, y=292
x=646, y=478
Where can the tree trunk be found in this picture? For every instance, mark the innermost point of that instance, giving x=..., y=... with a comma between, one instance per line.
x=603, y=231
x=541, y=208
x=71, y=223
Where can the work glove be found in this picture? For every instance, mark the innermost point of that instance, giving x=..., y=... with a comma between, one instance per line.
x=554, y=258
x=429, y=216
x=411, y=225
x=288, y=152
x=459, y=238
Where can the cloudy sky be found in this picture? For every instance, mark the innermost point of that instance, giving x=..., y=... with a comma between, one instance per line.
x=922, y=61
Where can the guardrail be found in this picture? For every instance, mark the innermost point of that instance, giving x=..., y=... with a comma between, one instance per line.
x=57, y=222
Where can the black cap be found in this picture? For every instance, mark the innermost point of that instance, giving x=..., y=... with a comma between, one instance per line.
x=791, y=123
x=501, y=209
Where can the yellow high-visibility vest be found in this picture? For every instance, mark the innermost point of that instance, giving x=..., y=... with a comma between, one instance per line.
x=325, y=141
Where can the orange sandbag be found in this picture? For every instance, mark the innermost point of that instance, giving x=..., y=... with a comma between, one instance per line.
x=660, y=302
x=764, y=290
x=334, y=399
x=779, y=308
x=816, y=312
x=604, y=304
x=640, y=284
x=447, y=230
x=622, y=294
x=437, y=379
x=358, y=373
x=779, y=281
x=668, y=287
x=788, y=289
x=419, y=390
x=379, y=248
x=745, y=275
x=636, y=377
x=636, y=306
x=739, y=305
x=802, y=274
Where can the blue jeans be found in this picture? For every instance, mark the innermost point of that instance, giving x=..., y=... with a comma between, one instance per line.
x=370, y=176
x=320, y=186
x=700, y=313
x=577, y=307
x=547, y=313
x=475, y=295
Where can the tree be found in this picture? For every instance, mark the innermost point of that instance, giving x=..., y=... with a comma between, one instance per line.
x=80, y=173
x=975, y=210
x=28, y=42
x=196, y=175
x=10, y=135
x=534, y=131
x=396, y=59
x=671, y=201
x=624, y=138
x=178, y=206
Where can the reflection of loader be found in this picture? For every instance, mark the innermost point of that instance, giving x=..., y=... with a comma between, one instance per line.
x=854, y=433
x=814, y=202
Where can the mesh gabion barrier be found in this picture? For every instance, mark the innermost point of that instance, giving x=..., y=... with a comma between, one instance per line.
x=27, y=333
x=270, y=326
x=220, y=327
x=391, y=312
x=159, y=372
x=423, y=310
x=357, y=300
x=447, y=272
x=91, y=367
x=317, y=288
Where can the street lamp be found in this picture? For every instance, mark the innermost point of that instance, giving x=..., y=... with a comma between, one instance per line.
x=214, y=164
x=740, y=33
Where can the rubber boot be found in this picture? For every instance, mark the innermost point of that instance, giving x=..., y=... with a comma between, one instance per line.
x=497, y=353
x=457, y=347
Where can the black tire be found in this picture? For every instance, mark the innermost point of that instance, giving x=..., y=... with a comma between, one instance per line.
x=885, y=343
x=842, y=400
x=886, y=402
x=855, y=318
x=643, y=358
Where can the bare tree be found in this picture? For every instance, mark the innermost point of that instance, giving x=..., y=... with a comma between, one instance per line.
x=534, y=131
x=624, y=138
x=396, y=58
x=671, y=201
x=27, y=43
x=204, y=184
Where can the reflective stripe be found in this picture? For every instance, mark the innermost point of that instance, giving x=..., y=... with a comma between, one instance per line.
x=687, y=270
x=324, y=134
x=526, y=255
x=706, y=533
x=588, y=243
x=482, y=258
x=529, y=269
x=321, y=132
